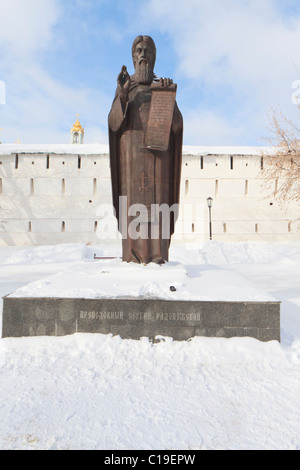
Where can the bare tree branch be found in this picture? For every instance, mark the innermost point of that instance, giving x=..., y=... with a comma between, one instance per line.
x=283, y=164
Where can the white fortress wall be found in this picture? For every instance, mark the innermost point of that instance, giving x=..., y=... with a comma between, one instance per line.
x=60, y=194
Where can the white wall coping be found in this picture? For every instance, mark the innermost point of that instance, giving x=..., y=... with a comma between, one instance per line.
x=103, y=149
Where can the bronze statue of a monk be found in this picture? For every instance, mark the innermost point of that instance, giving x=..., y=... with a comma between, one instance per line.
x=143, y=175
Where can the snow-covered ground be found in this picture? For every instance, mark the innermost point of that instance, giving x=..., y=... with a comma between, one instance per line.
x=101, y=392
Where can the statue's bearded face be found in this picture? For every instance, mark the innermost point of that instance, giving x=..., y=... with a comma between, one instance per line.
x=144, y=60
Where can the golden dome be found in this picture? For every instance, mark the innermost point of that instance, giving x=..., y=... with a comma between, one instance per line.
x=77, y=127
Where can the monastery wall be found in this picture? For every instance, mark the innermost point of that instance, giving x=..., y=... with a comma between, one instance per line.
x=65, y=197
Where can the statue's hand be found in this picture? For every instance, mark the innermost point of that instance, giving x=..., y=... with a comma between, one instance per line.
x=124, y=82
x=166, y=82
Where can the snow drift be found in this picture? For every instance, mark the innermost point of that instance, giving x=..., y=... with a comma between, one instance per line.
x=101, y=392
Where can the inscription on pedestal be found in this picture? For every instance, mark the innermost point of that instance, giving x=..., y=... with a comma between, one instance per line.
x=133, y=319
x=144, y=316
x=101, y=315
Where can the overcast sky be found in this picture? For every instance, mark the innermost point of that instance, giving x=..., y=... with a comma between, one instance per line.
x=233, y=61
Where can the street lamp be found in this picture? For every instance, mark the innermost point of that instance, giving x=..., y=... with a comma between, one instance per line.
x=210, y=204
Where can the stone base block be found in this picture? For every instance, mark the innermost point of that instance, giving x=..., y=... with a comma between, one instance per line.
x=136, y=318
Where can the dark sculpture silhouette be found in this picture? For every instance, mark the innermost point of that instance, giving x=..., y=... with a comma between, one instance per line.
x=145, y=173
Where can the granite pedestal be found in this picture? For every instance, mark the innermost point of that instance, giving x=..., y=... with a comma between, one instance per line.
x=133, y=301
x=135, y=318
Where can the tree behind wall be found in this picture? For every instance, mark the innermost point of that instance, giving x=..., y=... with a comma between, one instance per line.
x=282, y=165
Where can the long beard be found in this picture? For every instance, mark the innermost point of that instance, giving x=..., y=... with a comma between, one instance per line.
x=144, y=72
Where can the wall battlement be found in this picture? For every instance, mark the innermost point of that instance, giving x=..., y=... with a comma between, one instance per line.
x=49, y=197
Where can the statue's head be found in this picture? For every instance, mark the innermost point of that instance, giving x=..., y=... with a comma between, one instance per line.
x=144, y=56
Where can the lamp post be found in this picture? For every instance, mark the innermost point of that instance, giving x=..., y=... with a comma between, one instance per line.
x=210, y=204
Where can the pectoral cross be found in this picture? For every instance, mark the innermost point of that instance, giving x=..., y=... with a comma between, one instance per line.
x=144, y=184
